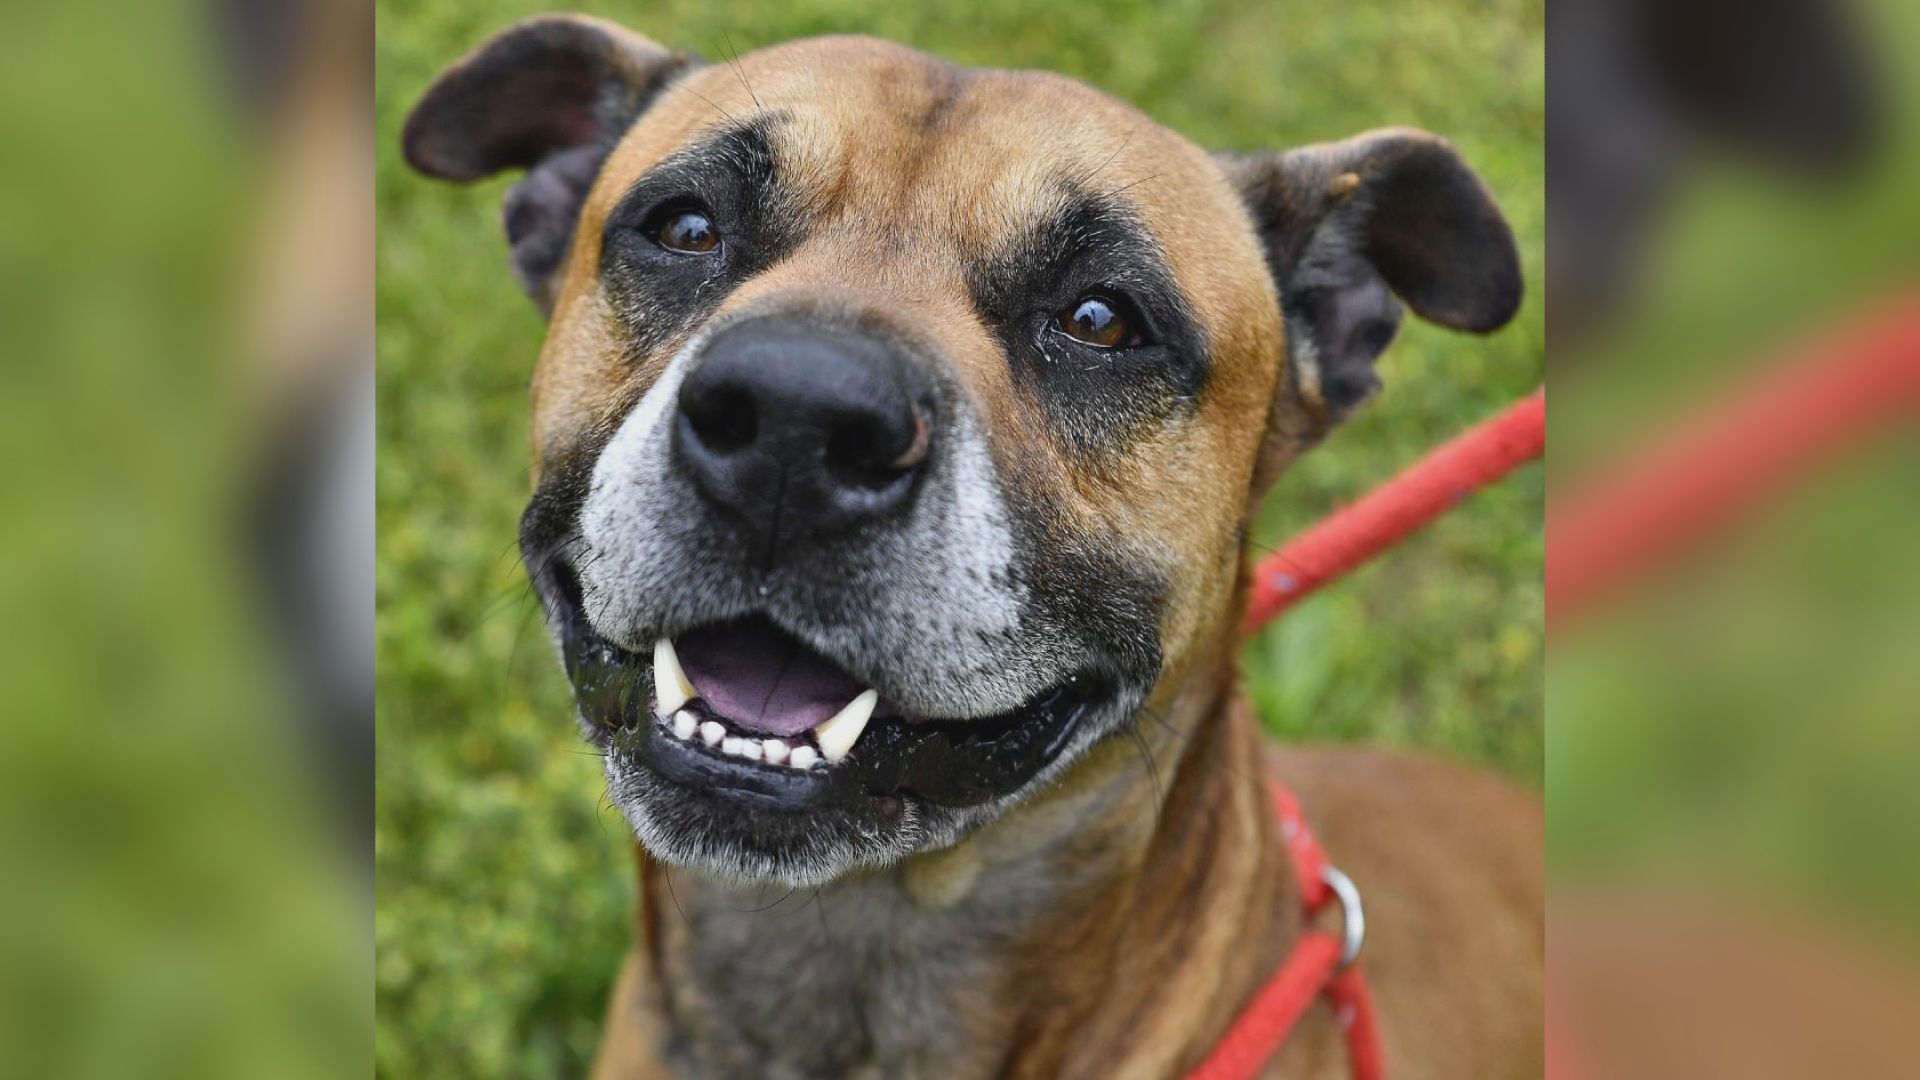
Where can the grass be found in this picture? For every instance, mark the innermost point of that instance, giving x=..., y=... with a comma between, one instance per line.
x=503, y=884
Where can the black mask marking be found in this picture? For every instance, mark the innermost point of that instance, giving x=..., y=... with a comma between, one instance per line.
x=1097, y=399
x=732, y=177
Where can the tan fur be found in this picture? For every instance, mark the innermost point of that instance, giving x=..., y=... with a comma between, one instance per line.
x=1174, y=901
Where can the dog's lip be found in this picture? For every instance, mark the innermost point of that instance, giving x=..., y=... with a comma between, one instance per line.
x=948, y=762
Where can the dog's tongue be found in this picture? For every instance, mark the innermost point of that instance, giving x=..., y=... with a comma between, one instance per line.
x=761, y=678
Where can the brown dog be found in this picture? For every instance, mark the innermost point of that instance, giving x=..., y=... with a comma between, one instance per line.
x=896, y=434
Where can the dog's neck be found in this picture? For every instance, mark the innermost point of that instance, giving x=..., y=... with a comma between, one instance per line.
x=1109, y=927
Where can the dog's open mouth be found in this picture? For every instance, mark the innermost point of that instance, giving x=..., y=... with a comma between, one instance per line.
x=744, y=708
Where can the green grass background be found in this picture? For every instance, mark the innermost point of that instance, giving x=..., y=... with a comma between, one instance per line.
x=503, y=876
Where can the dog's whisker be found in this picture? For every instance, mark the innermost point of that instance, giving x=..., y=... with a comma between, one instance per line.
x=1124, y=188
x=600, y=813
x=507, y=594
x=734, y=62
x=626, y=697
x=709, y=101
x=769, y=907
x=1132, y=731
x=512, y=547
x=666, y=871
x=513, y=653
x=826, y=932
x=1097, y=169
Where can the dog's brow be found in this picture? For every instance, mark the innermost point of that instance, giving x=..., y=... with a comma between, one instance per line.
x=1069, y=222
x=744, y=141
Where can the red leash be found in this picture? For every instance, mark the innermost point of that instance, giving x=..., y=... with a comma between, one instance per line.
x=1729, y=457
x=1387, y=514
x=1320, y=964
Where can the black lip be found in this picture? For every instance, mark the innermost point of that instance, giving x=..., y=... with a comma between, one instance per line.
x=950, y=763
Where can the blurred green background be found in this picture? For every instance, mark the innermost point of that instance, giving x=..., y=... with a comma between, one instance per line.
x=503, y=875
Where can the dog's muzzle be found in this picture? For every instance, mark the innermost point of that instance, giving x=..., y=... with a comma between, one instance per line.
x=802, y=619
x=795, y=584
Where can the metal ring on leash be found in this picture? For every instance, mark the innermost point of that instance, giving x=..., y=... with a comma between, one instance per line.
x=1353, y=918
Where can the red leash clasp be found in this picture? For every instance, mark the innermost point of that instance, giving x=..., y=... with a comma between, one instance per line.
x=1353, y=916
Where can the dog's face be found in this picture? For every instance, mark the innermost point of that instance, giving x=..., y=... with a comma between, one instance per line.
x=897, y=423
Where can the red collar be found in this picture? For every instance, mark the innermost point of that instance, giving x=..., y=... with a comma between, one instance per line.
x=1319, y=964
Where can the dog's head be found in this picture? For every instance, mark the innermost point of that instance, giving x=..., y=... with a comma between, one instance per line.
x=897, y=424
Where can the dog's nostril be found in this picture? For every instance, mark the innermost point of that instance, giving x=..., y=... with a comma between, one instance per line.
x=872, y=453
x=723, y=419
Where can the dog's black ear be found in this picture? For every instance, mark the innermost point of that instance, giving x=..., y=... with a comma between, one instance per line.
x=550, y=95
x=1350, y=226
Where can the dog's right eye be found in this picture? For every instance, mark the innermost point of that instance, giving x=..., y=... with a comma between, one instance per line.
x=683, y=229
x=1100, y=322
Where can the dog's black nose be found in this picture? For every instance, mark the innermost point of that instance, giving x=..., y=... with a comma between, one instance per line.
x=797, y=429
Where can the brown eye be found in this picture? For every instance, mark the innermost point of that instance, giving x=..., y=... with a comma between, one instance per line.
x=1098, y=321
x=687, y=231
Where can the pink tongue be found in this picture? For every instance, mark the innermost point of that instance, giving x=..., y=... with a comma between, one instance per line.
x=763, y=679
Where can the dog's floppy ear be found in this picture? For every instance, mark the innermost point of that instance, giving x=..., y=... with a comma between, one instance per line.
x=1348, y=227
x=550, y=95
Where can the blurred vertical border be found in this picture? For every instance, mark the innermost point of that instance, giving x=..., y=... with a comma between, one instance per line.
x=186, y=648
x=1734, y=707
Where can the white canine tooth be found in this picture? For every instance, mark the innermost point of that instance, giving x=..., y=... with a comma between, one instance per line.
x=750, y=749
x=711, y=733
x=735, y=745
x=775, y=751
x=685, y=724
x=802, y=757
x=670, y=686
x=838, y=733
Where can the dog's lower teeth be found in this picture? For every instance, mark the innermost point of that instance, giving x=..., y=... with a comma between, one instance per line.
x=687, y=727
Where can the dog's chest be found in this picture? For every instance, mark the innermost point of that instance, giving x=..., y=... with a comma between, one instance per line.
x=860, y=982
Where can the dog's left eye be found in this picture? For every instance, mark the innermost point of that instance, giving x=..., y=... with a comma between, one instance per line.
x=1100, y=321
x=684, y=230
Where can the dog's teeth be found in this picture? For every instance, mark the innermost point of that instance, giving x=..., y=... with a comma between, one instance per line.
x=670, y=686
x=685, y=724
x=802, y=757
x=775, y=751
x=735, y=745
x=711, y=733
x=750, y=749
x=837, y=735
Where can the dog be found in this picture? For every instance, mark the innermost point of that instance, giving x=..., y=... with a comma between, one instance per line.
x=895, y=438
